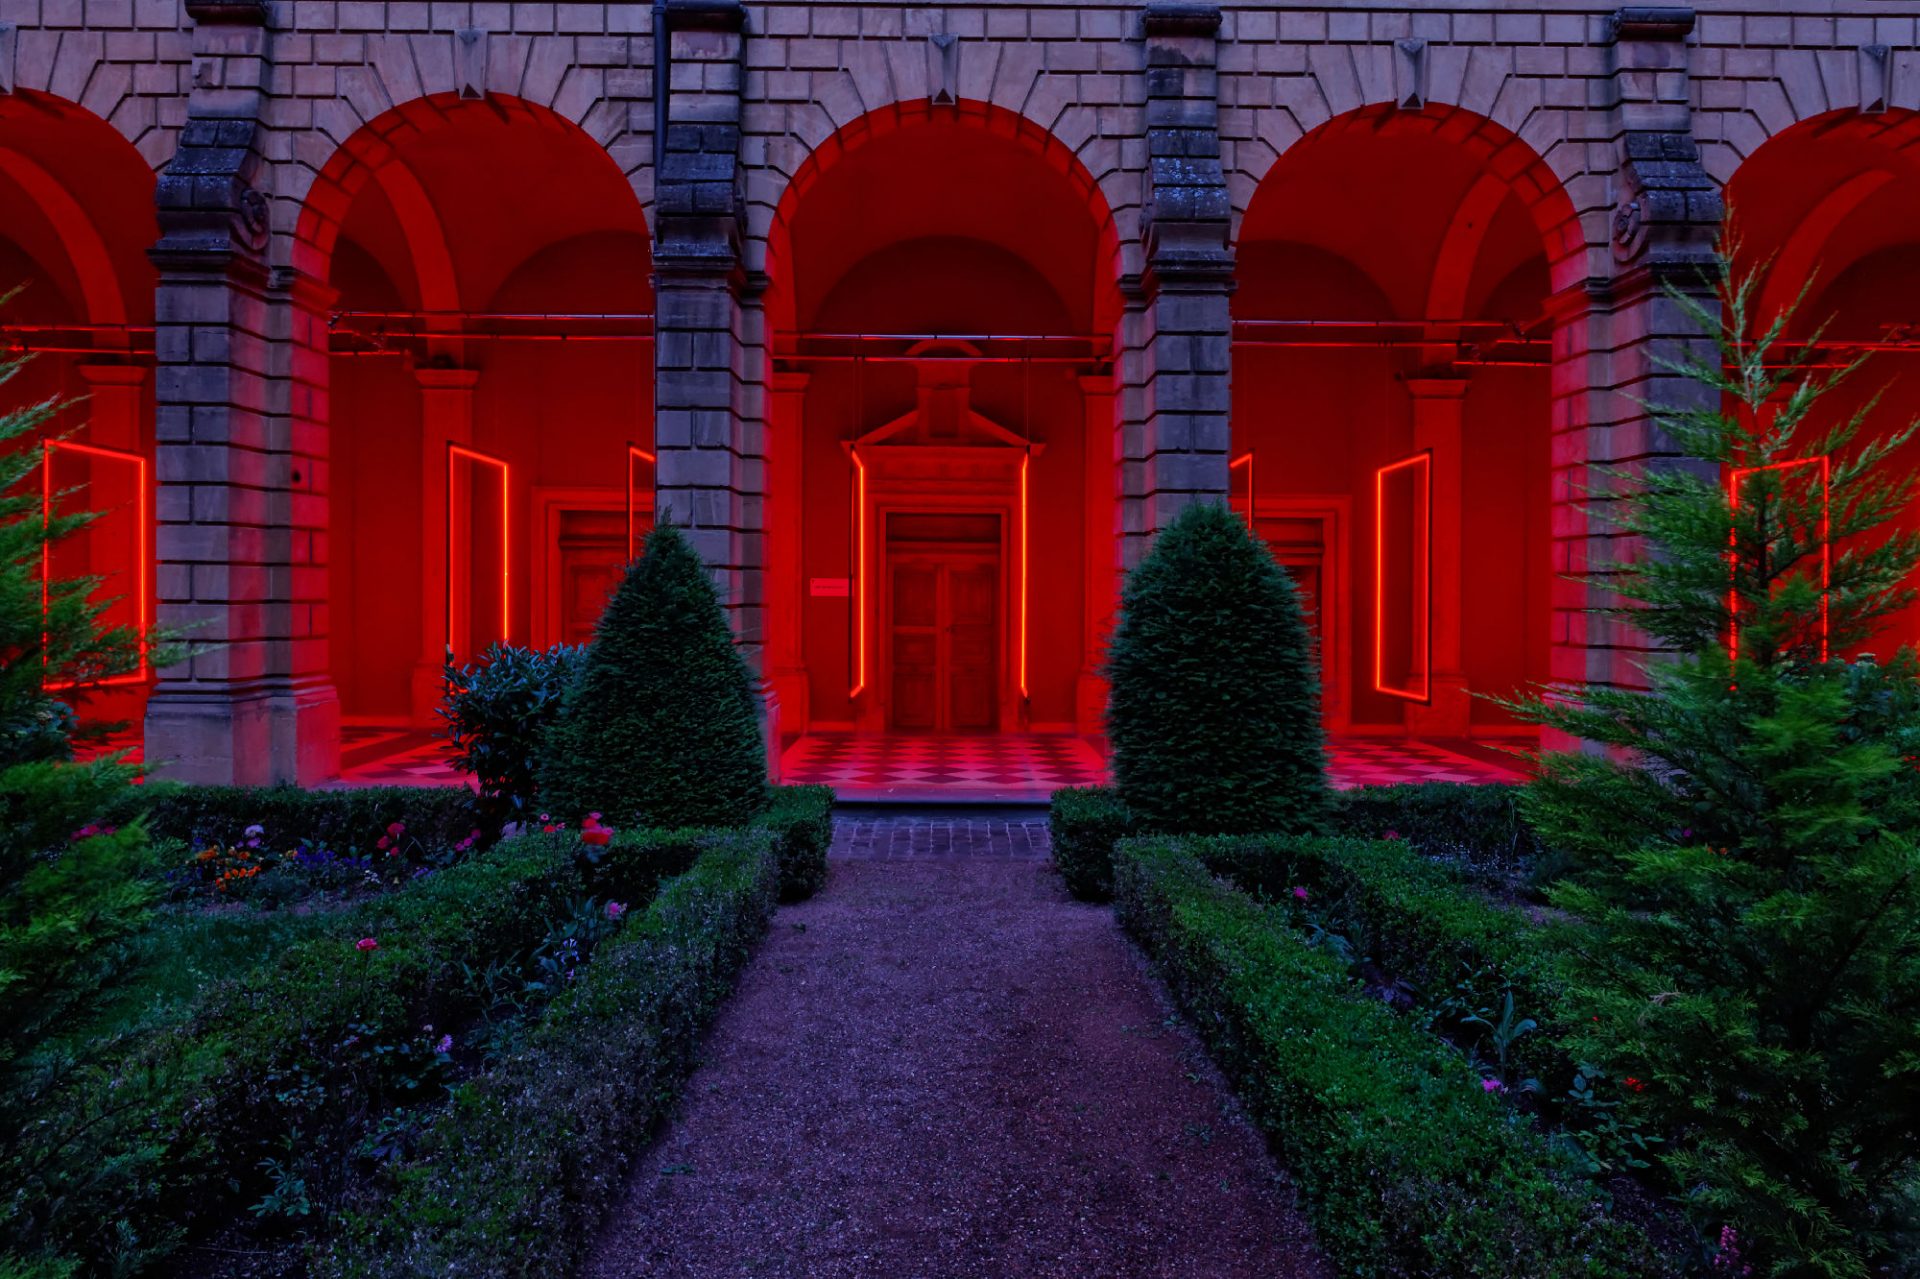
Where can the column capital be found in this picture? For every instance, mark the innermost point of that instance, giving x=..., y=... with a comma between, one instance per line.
x=95, y=374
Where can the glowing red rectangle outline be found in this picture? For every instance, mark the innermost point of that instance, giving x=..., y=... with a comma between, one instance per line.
x=1025, y=462
x=634, y=451
x=454, y=453
x=860, y=574
x=1246, y=460
x=1424, y=460
x=144, y=600
x=1734, y=477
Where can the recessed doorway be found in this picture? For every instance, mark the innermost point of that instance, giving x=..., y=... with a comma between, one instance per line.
x=943, y=621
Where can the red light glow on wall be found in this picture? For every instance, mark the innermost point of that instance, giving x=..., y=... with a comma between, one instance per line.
x=1240, y=486
x=1823, y=476
x=456, y=455
x=1403, y=546
x=860, y=575
x=141, y=555
x=635, y=454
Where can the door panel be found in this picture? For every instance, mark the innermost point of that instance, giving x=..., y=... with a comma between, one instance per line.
x=916, y=644
x=943, y=630
x=593, y=557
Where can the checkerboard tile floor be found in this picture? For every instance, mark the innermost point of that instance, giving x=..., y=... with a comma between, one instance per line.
x=1008, y=769
x=375, y=755
x=1014, y=767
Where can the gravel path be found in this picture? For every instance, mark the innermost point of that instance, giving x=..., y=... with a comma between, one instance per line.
x=942, y=1066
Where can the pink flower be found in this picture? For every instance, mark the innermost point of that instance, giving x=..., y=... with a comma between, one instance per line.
x=366, y=944
x=616, y=909
x=1393, y=834
x=397, y=829
x=1300, y=894
x=1492, y=1085
x=381, y=842
x=445, y=1044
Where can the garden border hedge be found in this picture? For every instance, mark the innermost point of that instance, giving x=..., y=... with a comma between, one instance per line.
x=349, y=819
x=514, y=1177
x=1452, y=822
x=801, y=819
x=1408, y=1166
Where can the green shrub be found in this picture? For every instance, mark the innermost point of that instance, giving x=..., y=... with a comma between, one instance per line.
x=1476, y=828
x=513, y=1179
x=499, y=712
x=1083, y=825
x=1214, y=714
x=1408, y=1167
x=1744, y=848
x=345, y=820
x=662, y=728
x=801, y=820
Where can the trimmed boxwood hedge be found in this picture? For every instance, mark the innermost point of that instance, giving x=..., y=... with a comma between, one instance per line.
x=801, y=819
x=515, y=1175
x=1408, y=1167
x=1476, y=828
x=347, y=820
x=1084, y=823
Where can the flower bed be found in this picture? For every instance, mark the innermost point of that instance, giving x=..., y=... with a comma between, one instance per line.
x=1409, y=1162
x=513, y=1177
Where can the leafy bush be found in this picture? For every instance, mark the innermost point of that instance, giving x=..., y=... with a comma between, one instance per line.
x=348, y=821
x=801, y=820
x=1475, y=828
x=499, y=712
x=514, y=1177
x=1745, y=849
x=1083, y=825
x=1214, y=714
x=1409, y=1167
x=662, y=728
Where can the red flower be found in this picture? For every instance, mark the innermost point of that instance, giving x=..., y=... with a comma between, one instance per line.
x=366, y=944
x=1635, y=1084
x=381, y=842
x=397, y=829
x=549, y=828
x=598, y=836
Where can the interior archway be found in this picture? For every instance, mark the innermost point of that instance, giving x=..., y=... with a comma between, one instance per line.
x=76, y=220
x=490, y=391
x=1831, y=207
x=943, y=552
x=1391, y=409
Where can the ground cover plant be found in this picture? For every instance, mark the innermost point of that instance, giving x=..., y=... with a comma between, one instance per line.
x=1744, y=855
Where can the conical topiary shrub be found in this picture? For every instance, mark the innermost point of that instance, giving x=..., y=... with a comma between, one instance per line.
x=1214, y=716
x=662, y=727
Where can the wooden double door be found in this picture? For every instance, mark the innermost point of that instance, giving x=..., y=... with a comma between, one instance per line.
x=943, y=629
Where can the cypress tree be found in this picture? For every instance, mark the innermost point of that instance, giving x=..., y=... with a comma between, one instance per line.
x=1744, y=856
x=662, y=727
x=1214, y=715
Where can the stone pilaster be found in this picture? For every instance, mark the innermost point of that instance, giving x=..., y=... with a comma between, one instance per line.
x=1666, y=221
x=1178, y=337
x=709, y=326
x=241, y=536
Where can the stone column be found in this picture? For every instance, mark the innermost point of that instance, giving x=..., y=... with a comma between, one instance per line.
x=1667, y=217
x=1178, y=334
x=240, y=464
x=1102, y=532
x=1438, y=404
x=709, y=339
x=446, y=417
x=786, y=591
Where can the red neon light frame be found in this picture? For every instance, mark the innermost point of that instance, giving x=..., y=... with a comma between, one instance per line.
x=1424, y=579
x=1734, y=476
x=860, y=574
x=143, y=573
x=455, y=453
x=634, y=453
x=1025, y=462
x=1244, y=460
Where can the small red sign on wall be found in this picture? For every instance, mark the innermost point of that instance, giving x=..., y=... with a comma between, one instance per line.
x=837, y=588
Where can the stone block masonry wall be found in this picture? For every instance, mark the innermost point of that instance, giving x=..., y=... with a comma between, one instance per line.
x=1175, y=112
